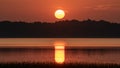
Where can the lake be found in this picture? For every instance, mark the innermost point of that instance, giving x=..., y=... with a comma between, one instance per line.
x=59, y=50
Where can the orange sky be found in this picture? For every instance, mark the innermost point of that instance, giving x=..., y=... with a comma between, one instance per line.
x=43, y=10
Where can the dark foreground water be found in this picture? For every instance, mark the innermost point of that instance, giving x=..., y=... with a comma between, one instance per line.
x=73, y=51
x=106, y=55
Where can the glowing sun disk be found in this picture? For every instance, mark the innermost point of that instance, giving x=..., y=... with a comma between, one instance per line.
x=59, y=14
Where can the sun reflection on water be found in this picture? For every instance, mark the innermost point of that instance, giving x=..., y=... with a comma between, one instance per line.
x=59, y=52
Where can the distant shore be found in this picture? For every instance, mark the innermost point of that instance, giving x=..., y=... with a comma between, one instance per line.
x=60, y=29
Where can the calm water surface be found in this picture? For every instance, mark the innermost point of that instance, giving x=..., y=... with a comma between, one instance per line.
x=80, y=50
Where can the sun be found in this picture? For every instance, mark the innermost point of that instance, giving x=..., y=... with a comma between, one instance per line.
x=59, y=14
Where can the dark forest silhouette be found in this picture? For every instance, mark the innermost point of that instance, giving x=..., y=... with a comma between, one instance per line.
x=60, y=29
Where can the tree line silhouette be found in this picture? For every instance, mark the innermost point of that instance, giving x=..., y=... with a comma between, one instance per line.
x=60, y=29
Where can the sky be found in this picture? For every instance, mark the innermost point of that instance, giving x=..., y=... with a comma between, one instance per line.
x=43, y=10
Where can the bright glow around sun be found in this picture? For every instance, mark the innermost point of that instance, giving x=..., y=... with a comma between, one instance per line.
x=59, y=14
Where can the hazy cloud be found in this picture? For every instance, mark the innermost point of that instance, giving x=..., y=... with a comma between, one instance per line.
x=103, y=7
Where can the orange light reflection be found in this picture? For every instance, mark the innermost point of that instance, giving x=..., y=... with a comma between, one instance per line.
x=59, y=56
x=59, y=52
